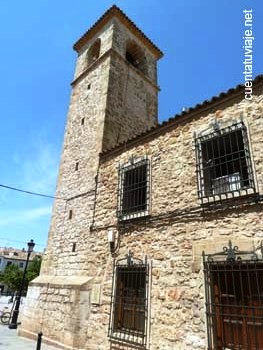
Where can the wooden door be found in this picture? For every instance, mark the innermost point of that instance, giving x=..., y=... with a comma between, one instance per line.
x=238, y=307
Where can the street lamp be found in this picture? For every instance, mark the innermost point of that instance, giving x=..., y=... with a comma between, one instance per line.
x=13, y=323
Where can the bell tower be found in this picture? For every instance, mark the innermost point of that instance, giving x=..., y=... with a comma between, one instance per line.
x=114, y=98
x=119, y=63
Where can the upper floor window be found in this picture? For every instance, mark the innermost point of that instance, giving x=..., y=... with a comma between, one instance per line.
x=135, y=56
x=93, y=52
x=9, y=263
x=224, y=168
x=128, y=319
x=21, y=265
x=134, y=188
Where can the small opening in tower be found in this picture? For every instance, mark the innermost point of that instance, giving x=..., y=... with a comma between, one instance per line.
x=135, y=56
x=77, y=166
x=70, y=214
x=89, y=86
x=93, y=52
x=82, y=121
x=74, y=247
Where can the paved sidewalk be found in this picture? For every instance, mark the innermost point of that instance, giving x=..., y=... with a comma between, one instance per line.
x=9, y=340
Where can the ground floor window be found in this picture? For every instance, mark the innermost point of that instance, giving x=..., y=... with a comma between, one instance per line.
x=234, y=303
x=129, y=301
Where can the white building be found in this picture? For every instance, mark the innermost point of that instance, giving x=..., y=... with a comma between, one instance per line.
x=11, y=256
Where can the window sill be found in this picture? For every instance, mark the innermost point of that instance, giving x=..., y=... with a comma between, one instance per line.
x=134, y=216
x=242, y=196
x=128, y=337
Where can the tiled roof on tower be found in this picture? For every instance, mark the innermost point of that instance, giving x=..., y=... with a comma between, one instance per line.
x=115, y=11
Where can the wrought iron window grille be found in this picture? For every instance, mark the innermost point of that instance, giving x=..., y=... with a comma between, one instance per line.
x=129, y=301
x=134, y=189
x=234, y=298
x=223, y=165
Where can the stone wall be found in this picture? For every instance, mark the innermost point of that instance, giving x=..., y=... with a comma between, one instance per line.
x=82, y=144
x=120, y=38
x=110, y=102
x=131, y=106
x=114, y=35
x=106, y=37
x=178, y=231
x=62, y=316
x=173, y=238
x=132, y=95
x=131, y=98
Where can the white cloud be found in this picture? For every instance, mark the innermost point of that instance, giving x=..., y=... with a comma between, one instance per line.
x=24, y=216
x=38, y=172
x=33, y=167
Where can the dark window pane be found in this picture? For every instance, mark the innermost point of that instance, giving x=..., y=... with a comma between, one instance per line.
x=134, y=190
x=129, y=311
x=224, y=164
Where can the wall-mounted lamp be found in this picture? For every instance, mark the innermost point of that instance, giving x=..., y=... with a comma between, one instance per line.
x=112, y=239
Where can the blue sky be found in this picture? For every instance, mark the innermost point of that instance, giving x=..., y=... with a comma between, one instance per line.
x=202, y=42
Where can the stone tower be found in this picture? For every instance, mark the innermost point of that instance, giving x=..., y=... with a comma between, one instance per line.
x=114, y=98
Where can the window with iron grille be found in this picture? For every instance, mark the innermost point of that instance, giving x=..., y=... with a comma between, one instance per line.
x=234, y=302
x=129, y=301
x=134, y=186
x=224, y=167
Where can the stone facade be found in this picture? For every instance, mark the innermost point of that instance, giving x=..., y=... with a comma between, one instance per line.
x=178, y=230
x=70, y=301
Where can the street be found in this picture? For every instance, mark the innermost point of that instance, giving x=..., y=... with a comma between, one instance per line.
x=9, y=340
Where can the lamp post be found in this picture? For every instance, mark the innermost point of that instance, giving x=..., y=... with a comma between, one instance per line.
x=13, y=323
